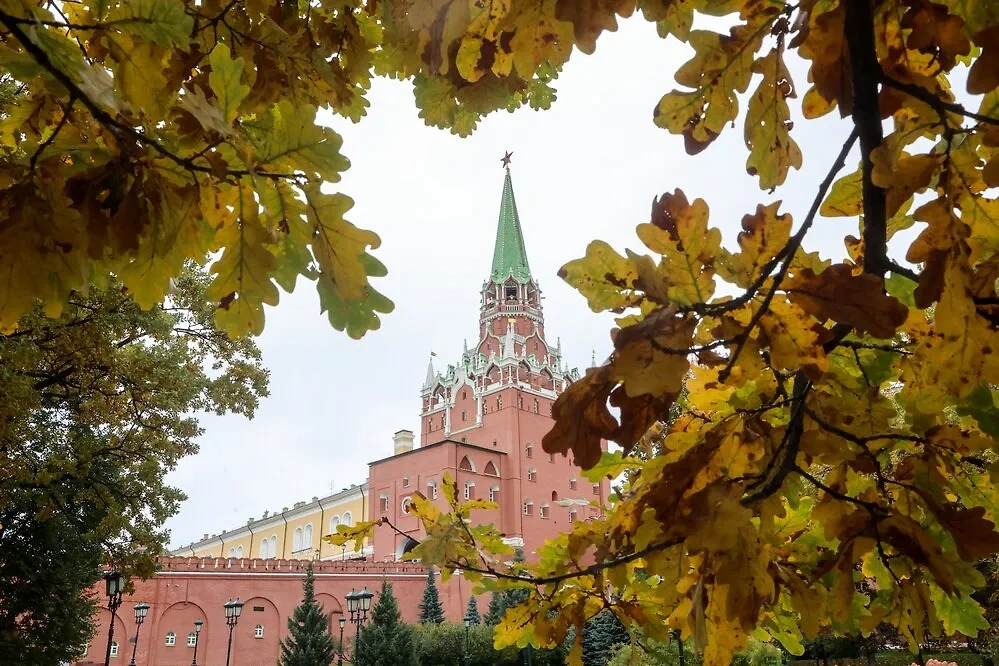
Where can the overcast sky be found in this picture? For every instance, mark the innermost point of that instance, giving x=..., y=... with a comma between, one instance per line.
x=588, y=168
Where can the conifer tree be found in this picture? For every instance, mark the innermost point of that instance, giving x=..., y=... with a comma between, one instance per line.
x=310, y=643
x=431, y=610
x=496, y=609
x=600, y=634
x=386, y=641
x=472, y=612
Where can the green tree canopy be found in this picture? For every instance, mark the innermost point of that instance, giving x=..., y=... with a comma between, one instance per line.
x=309, y=643
x=97, y=408
x=386, y=641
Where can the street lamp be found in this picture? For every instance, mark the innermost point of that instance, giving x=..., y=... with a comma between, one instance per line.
x=339, y=658
x=233, y=609
x=197, y=635
x=140, y=615
x=112, y=585
x=358, y=604
x=679, y=644
x=468, y=624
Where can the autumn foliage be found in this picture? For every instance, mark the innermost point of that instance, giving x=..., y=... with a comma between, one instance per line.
x=831, y=466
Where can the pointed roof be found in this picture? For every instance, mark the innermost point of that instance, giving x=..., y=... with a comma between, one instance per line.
x=510, y=254
x=431, y=375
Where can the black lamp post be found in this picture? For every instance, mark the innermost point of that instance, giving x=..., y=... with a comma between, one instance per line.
x=140, y=615
x=679, y=645
x=358, y=604
x=197, y=635
x=113, y=586
x=233, y=609
x=339, y=658
x=468, y=624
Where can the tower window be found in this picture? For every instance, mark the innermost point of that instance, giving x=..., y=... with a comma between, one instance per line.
x=528, y=451
x=572, y=515
x=493, y=492
x=544, y=511
x=192, y=638
x=536, y=405
x=462, y=395
x=433, y=489
x=572, y=484
x=442, y=422
x=258, y=631
x=551, y=457
x=469, y=490
x=385, y=503
x=405, y=482
x=171, y=639
x=528, y=507
x=532, y=474
x=520, y=402
x=499, y=402
x=511, y=292
x=464, y=415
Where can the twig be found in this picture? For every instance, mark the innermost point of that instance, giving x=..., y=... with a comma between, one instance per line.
x=789, y=251
x=48, y=142
x=939, y=105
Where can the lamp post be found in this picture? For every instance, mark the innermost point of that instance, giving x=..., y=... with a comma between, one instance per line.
x=358, y=604
x=233, y=609
x=197, y=635
x=468, y=624
x=140, y=615
x=112, y=587
x=339, y=658
x=679, y=645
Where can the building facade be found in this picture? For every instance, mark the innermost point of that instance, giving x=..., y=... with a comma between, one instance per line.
x=292, y=533
x=482, y=420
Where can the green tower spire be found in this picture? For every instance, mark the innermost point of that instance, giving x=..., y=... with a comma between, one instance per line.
x=510, y=254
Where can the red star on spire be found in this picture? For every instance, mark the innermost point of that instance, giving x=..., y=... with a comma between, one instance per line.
x=506, y=159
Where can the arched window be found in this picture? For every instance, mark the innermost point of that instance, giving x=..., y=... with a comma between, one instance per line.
x=528, y=450
x=265, y=550
x=405, y=482
x=192, y=639
x=258, y=631
x=490, y=469
x=273, y=547
x=296, y=543
x=232, y=552
x=554, y=496
x=469, y=490
x=171, y=639
x=544, y=511
x=432, y=486
x=532, y=474
x=528, y=507
x=114, y=648
x=307, y=536
x=493, y=493
x=348, y=519
x=406, y=501
x=466, y=465
x=334, y=523
x=239, y=551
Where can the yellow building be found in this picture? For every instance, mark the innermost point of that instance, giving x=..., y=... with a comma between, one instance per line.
x=296, y=533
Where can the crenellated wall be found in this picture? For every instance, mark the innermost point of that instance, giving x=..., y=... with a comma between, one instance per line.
x=192, y=588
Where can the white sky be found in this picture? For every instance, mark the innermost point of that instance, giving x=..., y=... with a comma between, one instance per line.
x=588, y=168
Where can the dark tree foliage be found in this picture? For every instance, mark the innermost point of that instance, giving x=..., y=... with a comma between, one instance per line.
x=600, y=635
x=494, y=613
x=472, y=612
x=310, y=643
x=46, y=567
x=431, y=610
x=386, y=641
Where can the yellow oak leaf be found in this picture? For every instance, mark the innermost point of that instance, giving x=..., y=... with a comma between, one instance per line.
x=763, y=237
x=838, y=295
x=792, y=338
x=845, y=199
x=605, y=278
x=226, y=82
x=772, y=151
x=722, y=66
x=650, y=356
x=679, y=232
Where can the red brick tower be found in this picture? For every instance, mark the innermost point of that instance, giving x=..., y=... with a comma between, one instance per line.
x=483, y=418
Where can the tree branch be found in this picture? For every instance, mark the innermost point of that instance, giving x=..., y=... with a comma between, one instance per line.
x=789, y=445
x=866, y=73
x=939, y=105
